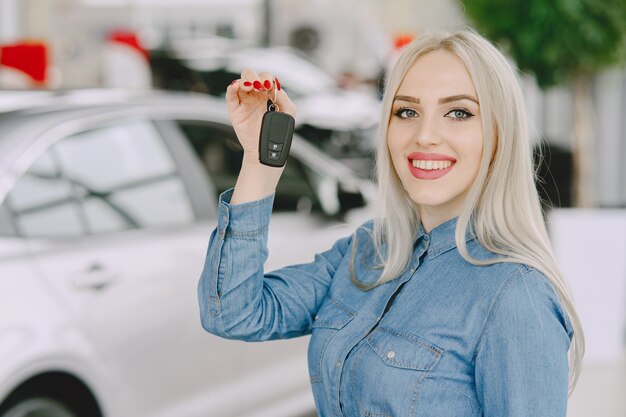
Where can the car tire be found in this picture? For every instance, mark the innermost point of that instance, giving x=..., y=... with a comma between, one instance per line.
x=38, y=407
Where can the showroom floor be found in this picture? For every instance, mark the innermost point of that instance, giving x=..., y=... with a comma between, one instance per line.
x=600, y=391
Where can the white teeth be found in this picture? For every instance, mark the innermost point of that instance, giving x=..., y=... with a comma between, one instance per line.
x=431, y=165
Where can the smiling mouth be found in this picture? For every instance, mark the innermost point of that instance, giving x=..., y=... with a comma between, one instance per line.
x=431, y=165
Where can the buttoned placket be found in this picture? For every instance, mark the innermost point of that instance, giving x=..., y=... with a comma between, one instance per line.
x=424, y=243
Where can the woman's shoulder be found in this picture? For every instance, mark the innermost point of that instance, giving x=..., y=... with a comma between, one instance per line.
x=511, y=277
x=527, y=292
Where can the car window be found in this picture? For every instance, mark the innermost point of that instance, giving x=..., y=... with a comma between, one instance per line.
x=6, y=223
x=107, y=179
x=221, y=154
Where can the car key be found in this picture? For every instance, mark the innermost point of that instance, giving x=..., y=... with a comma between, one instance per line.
x=276, y=135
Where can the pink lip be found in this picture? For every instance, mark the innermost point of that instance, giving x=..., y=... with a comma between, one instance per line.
x=430, y=157
x=433, y=174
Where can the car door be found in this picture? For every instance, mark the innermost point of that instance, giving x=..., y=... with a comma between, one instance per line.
x=117, y=238
x=112, y=212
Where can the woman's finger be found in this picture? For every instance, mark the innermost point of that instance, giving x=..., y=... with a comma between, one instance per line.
x=284, y=102
x=252, y=77
x=232, y=96
x=267, y=81
x=252, y=89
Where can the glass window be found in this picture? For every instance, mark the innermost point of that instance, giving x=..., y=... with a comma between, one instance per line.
x=221, y=154
x=107, y=179
x=43, y=202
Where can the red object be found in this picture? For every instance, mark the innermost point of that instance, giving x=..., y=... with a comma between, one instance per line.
x=257, y=85
x=402, y=40
x=278, y=84
x=129, y=39
x=247, y=84
x=267, y=84
x=30, y=58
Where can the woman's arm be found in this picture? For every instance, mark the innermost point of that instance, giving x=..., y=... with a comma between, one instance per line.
x=237, y=300
x=521, y=357
x=246, y=99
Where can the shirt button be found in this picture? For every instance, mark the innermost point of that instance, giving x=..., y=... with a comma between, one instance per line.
x=225, y=219
x=338, y=364
x=315, y=318
x=391, y=354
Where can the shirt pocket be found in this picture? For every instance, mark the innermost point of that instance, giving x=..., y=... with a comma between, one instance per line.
x=332, y=316
x=389, y=372
x=404, y=351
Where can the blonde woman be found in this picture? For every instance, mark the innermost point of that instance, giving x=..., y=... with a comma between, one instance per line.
x=450, y=302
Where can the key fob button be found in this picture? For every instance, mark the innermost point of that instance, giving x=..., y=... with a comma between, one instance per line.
x=274, y=156
x=276, y=146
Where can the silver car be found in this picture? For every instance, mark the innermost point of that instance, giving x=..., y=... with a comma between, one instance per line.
x=107, y=201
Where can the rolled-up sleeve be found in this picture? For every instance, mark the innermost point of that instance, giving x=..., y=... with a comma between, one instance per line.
x=238, y=300
x=521, y=359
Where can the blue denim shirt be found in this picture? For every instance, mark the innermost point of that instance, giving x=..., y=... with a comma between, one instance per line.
x=445, y=339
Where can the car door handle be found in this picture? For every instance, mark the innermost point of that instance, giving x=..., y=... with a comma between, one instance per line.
x=95, y=277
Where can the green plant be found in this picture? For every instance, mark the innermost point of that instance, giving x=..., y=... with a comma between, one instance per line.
x=560, y=42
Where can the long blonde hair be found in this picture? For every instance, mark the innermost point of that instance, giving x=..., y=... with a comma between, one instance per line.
x=503, y=204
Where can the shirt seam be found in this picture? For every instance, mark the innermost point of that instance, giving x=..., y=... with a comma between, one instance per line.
x=494, y=308
x=246, y=235
x=456, y=390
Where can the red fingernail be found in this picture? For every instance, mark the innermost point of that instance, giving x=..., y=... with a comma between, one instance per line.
x=247, y=84
x=267, y=84
x=234, y=81
x=277, y=84
x=257, y=85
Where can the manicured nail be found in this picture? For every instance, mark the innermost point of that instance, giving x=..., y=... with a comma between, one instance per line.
x=277, y=84
x=267, y=84
x=257, y=85
x=234, y=81
x=247, y=84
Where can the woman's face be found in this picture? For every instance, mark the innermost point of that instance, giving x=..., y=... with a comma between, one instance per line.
x=435, y=135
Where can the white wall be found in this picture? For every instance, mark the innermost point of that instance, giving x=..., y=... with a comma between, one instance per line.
x=10, y=20
x=590, y=246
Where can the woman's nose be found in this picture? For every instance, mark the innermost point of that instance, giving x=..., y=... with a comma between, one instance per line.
x=427, y=133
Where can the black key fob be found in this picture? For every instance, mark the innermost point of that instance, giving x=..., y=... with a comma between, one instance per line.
x=276, y=135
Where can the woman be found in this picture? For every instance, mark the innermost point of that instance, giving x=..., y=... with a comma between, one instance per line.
x=450, y=302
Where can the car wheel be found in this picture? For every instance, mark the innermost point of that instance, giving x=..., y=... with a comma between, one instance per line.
x=38, y=407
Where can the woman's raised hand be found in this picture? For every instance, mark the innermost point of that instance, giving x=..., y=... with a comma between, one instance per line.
x=247, y=103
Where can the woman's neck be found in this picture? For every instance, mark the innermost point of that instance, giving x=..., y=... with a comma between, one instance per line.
x=432, y=218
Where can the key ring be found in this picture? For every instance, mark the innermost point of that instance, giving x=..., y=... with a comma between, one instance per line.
x=274, y=105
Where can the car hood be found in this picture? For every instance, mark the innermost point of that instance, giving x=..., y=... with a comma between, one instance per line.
x=339, y=110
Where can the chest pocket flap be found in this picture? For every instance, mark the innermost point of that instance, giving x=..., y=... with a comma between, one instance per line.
x=333, y=314
x=404, y=351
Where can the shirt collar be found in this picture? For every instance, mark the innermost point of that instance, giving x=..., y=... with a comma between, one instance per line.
x=441, y=238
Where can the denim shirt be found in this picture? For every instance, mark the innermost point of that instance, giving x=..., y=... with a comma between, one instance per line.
x=445, y=339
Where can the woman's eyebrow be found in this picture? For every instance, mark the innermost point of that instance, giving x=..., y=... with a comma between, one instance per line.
x=457, y=98
x=443, y=100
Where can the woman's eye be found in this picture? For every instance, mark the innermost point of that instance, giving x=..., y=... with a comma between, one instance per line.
x=405, y=113
x=459, y=114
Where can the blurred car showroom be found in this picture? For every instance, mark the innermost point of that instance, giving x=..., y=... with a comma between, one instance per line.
x=115, y=143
